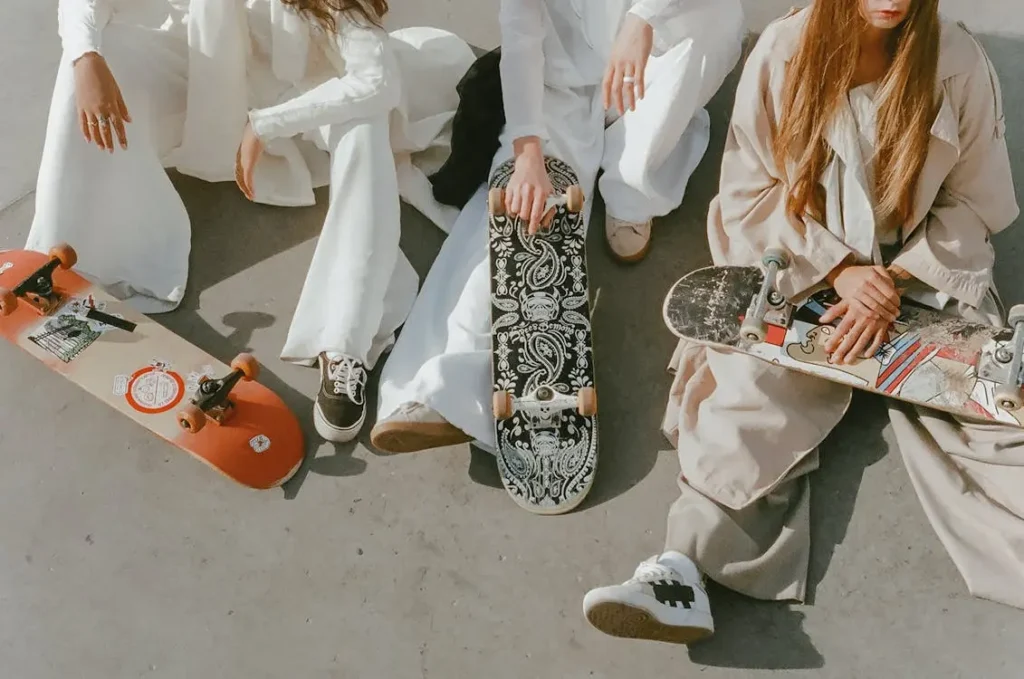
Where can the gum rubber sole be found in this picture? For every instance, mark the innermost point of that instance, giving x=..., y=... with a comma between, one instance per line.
x=628, y=622
x=401, y=437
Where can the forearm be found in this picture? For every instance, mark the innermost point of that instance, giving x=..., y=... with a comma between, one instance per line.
x=80, y=24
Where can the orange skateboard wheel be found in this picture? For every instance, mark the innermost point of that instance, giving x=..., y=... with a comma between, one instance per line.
x=502, y=405
x=496, y=202
x=587, y=401
x=192, y=419
x=574, y=198
x=8, y=302
x=65, y=254
x=247, y=365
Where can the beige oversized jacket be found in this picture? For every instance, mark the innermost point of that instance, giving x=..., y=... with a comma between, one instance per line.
x=964, y=195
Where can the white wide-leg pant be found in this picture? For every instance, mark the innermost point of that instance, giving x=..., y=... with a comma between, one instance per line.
x=132, y=233
x=443, y=357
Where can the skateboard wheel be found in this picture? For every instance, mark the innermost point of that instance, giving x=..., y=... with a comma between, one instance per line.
x=1009, y=398
x=8, y=302
x=574, y=199
x=65, y=254
x=753, y=331
x=496, y=202
x=777, y=256
x=247, y=365
x=502, y=405
x=586, y=401
x=1016, y=315
x=192, y=419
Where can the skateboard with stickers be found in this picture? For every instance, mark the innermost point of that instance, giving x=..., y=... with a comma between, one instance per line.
x=542, y=365
x=217, y=413
x=930, y=359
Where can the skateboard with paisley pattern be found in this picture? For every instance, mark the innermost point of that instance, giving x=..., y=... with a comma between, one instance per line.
x=930, y=358
x=542, y=365
x=217, y=413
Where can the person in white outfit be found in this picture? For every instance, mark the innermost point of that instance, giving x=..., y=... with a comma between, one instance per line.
x=610, y=85
x=280, y=96
x=868, y=140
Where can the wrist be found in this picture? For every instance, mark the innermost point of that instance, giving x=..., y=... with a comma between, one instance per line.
x=527, y=146
x=832, y=275
x=87, y=57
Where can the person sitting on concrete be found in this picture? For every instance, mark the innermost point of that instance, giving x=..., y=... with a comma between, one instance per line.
x=867, y=140
x=281, y=97
x=604, y=85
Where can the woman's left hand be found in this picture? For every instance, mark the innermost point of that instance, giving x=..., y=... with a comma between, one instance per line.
x=249, y=152
x=624, y=78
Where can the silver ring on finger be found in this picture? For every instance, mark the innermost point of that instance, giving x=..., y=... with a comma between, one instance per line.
x=628, y=79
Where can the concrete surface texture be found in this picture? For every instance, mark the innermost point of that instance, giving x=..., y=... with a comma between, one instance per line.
x=122, y=557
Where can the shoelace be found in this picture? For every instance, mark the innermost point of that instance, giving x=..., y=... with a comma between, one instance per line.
x=649, y=572
x=348, y=378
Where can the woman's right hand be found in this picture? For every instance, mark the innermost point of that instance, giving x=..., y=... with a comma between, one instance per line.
x=529, y=187
x=102, y=112
x=857, y=336
x=869, y=290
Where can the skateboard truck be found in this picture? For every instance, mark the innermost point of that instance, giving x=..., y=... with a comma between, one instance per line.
x=544, y=402
x=1004, y=364
x=768, y=304
x=37, y=288
x=572, y=199
x=211, y=401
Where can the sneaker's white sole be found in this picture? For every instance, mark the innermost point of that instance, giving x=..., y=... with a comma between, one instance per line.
x=335, y=434
x=631, y=620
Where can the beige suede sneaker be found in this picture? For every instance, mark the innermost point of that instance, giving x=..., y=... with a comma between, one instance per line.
x=414, y=427
x=629, y=241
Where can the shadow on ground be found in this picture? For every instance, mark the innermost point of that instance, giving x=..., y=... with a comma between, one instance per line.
x=632, y=348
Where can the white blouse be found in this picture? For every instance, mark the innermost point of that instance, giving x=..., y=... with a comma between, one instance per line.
x=864, y=110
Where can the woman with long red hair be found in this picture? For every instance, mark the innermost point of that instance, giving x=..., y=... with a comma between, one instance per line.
x=280, y=96
x=867, y=140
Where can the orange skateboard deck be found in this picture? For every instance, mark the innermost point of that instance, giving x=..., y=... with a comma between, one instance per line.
x=218, y=414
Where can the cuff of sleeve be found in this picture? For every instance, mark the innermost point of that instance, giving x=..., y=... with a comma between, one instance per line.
x=263, y=123
x=77, y=48
x=662, y=39
x=969, y=287
x=823, y=252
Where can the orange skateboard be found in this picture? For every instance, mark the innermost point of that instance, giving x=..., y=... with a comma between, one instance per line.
x=218, y=414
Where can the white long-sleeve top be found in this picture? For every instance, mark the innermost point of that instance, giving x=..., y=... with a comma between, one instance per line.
x=567, y=43
x=358, y=75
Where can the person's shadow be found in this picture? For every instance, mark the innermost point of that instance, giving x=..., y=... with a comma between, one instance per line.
x=769, y=635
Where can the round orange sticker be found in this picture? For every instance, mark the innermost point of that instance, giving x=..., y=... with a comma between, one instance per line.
x=153, y=391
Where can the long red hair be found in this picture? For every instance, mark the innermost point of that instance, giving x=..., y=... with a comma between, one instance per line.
x=819, y=77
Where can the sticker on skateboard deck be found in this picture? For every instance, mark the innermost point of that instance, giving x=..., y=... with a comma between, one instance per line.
x=930, y=358
x=218, y=414
x=545, y=401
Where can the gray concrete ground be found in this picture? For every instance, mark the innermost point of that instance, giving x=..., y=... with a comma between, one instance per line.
x=122, y=557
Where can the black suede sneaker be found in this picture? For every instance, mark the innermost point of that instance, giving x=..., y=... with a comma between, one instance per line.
x=340, y=408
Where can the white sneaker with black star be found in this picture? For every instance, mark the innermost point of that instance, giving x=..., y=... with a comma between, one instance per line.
x=665, y=600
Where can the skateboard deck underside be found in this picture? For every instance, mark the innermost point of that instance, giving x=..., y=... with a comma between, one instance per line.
x=148, y=373
x=541, y=335
x=931, y=359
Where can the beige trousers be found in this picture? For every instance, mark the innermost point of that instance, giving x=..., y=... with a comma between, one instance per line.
x=748, y=433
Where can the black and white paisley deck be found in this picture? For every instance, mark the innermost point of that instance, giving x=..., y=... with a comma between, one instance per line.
x=541, y=336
